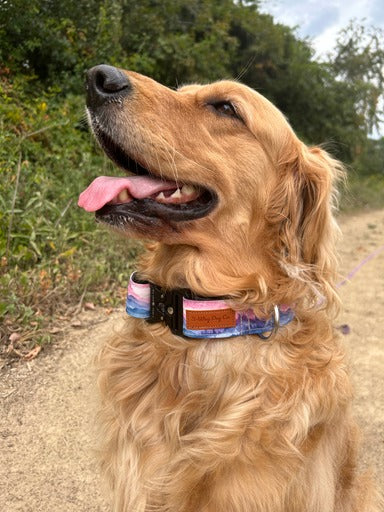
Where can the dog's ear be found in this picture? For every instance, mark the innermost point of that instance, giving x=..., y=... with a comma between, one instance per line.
x=304, y=202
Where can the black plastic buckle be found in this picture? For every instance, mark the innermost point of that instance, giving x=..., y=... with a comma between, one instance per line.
x=167, y=307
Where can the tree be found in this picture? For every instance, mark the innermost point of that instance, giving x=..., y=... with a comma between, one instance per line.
x=48, y=39
x=358, y=62
x=281, y=66
x=179, y=42
x=175, y=42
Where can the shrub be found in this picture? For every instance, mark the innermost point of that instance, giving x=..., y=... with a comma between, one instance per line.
x=52, y=253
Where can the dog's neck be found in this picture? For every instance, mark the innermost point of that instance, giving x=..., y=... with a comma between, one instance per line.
x=199, y=317
x=207, y=273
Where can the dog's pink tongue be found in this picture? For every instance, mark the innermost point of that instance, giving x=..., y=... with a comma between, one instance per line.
x=106, y=188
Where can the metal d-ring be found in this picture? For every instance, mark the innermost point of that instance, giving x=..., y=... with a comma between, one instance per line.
x=276, y=324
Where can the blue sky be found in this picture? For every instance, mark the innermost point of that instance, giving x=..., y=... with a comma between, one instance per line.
x=321, y=20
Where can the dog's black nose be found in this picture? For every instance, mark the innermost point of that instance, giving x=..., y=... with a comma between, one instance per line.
x=106, y=84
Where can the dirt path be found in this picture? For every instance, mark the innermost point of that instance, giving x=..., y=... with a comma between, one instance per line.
x=47, y=407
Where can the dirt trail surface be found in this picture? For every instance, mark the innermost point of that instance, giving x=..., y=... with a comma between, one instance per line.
x=47, y=406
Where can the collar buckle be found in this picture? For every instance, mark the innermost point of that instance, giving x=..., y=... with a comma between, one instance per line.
x=167, y=307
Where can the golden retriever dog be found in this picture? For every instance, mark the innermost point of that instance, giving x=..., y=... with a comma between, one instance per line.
x=227, y=390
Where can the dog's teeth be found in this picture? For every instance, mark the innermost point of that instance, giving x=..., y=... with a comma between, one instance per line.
x=176, y=194
x=188, y=190
x=123, y=196
x=160, y=196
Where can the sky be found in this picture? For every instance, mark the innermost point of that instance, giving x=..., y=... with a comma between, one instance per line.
x=321, y=20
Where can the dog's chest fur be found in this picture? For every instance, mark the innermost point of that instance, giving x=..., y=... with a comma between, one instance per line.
x=195, y=410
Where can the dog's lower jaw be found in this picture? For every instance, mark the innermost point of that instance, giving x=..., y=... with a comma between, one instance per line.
x=212, y=426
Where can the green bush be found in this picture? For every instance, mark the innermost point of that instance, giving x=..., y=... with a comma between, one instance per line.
x=363, y=192
x=52, y=252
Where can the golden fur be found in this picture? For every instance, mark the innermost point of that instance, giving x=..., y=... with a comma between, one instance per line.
x=236, y=425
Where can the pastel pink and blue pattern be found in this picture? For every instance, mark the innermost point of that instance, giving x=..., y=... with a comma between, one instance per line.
x=246, y=321
x=138, y=299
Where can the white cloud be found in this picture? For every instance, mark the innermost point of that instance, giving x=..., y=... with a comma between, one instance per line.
x=376, y=12
x=324, y=18
x=322, y=23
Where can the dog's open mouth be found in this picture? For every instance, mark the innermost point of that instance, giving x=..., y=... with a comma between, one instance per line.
x=143, y=197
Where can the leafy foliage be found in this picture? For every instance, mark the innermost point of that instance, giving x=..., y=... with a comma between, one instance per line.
x=340, y=101
x=47, y=244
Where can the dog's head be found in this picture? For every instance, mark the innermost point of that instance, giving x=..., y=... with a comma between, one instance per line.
x=217, y=171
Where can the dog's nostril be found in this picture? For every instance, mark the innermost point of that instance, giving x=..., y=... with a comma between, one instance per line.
x=110, y=80
x=104, y=83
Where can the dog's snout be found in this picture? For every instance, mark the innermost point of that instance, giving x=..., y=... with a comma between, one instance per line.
x=106, y=83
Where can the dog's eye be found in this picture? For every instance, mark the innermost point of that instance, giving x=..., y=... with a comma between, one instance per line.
x=225, y=108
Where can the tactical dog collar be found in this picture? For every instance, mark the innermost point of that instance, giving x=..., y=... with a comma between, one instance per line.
x=198, y=317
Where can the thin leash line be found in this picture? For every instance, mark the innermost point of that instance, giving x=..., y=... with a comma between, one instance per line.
x=366, y=260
